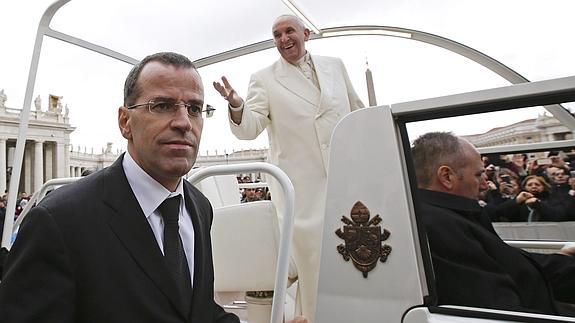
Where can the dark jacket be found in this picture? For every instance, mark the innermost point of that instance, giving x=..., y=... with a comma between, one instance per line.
x=87, y=253
x=3, y=251
x=544, y=210
x=474, y=267
x=561, y=199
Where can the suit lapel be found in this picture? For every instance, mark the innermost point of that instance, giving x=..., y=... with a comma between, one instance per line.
x=291, y=78
x=325, y=77
x=200, y=240
x=132, y=228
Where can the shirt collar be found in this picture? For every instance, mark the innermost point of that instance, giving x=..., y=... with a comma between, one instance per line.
x=306, y=58
x=149, y=193
x=449, y=201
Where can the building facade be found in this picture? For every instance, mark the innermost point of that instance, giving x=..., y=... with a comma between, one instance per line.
x=46, y=153
x=542, y=129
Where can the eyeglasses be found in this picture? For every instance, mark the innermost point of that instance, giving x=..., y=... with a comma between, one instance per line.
x=167, y=107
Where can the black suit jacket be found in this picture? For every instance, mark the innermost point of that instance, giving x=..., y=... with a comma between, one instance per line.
x=474, y=267
x=87, y=253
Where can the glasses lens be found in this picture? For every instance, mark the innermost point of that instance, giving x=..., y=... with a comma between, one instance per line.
x=209, y=111
x=170, y=106
x=194, y=110
x=162, y=106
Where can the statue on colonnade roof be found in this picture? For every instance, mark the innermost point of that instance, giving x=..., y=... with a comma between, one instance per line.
x=38, y=103
x=3, y=98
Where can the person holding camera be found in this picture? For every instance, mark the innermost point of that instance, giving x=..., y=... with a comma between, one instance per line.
x=530, y=205
x=504, y=187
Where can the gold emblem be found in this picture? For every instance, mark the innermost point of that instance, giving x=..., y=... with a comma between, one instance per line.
x=363, y=239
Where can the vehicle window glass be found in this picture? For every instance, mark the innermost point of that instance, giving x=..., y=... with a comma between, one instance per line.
x=531, y=173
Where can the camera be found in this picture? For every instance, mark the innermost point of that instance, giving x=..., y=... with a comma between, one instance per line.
x=544, y=161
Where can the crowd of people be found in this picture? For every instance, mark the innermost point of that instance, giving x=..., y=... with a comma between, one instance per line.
x=21, y=202
x=523, y=189
x=252, y=194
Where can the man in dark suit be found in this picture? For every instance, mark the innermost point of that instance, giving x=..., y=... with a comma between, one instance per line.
x=472, y=265
x=100, y=250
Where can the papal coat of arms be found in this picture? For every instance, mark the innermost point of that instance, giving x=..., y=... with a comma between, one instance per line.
x=363, y=239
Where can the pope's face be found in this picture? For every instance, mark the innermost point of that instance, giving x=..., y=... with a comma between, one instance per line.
x=289, y=38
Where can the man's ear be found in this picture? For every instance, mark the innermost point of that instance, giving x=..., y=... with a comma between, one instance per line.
x=445, y=176
x=124, y=122
x=306, y=33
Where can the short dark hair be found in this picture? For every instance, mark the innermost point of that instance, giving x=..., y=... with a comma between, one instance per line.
x=131, y=91
x=434, y=149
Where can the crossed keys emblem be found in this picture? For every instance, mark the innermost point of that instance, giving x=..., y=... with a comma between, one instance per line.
x=363, y=239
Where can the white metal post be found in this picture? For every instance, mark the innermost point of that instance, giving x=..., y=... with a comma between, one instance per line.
x=24, y=118
x=280, y=286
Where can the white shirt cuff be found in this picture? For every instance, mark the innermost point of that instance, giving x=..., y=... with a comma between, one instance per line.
x=240, y=108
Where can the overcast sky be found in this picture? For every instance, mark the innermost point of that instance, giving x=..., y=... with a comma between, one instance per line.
x=530, y=36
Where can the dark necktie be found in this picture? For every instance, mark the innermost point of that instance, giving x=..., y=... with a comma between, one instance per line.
x=174, y=250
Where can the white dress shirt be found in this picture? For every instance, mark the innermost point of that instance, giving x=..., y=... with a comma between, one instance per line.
x=306, y=67
x=150, y=194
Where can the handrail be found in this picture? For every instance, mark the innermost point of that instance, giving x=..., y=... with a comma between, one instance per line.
x=280, y=286
x=253, y=185
x=535, y=146
x=534, y=244
x=548, y=92
x=507, y=314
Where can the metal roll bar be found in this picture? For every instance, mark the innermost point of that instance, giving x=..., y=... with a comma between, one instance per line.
x=280, y=285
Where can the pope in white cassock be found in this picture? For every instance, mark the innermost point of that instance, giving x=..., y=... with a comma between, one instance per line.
x=299, y=99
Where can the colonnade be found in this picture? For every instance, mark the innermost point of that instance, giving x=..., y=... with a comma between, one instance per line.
x=76, y=171
x=43, y=160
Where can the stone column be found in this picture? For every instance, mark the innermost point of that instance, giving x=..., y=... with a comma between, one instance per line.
x=27, y=170
x=38, y=165
x=60, y=169
x=67, y=149
x=11, y=152
x=2, y=166
x=49, y=161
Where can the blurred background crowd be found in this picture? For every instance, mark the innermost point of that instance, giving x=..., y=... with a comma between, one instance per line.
x=251, y=193
x=529, y=188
